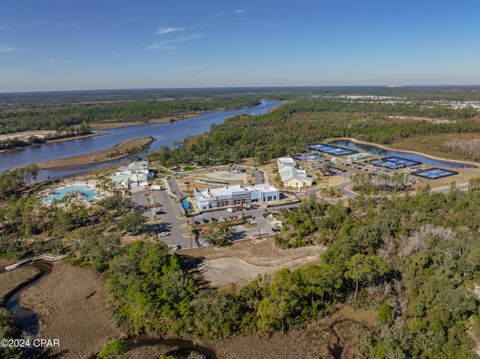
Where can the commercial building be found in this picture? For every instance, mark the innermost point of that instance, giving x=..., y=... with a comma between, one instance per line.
x=133, y=176
x=235, y=195
x=291, y=174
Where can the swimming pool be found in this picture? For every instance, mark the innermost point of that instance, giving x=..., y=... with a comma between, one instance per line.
x=84, y=192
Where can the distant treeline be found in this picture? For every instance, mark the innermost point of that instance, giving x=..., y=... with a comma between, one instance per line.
x=63, y=117
x=61, y=98
x=289, y=128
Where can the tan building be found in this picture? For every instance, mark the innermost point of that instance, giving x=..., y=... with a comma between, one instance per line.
x=292, y=175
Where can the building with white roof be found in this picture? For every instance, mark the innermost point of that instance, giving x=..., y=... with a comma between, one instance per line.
x=235, y=195
x=133, y=176
x=358, y=157
x=291, y=174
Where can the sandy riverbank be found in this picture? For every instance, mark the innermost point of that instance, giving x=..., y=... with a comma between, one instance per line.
x=71, y=305
x=121, y=150
x=77, y=137
x=113, y=124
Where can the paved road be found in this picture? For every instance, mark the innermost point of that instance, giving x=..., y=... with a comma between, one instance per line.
x=264, y=226
x=260, y=177
x=170, y=213
x=461, y=187
x=174, y=187
x=343, y=186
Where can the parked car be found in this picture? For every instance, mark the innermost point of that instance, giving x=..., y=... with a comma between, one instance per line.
x=177, y=247
x=164, y=233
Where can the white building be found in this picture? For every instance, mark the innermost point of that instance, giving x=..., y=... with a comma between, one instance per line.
x=291, y=174
x=133, y=176
x=358, y=157
x=235, y=195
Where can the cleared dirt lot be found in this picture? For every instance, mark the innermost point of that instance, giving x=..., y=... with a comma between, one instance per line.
x=243, y=261
x=71, y=305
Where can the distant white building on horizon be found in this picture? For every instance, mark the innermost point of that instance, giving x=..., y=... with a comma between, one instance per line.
x=291, y=174
x=235, y=195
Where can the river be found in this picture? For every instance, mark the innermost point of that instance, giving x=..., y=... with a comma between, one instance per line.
x=165, y=134
x=375, y=150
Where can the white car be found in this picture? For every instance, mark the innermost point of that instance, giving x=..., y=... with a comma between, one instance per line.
x=164, y=234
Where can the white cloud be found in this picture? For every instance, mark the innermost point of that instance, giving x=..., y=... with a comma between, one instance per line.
x=173, y=43
x=169, y=30
x=5, y=48
x=229, y=13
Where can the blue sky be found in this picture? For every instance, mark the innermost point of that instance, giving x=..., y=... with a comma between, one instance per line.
x=94, y=44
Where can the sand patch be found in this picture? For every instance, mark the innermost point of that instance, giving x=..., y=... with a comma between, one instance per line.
x=244, y=261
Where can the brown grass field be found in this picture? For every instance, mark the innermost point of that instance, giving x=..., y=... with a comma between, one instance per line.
x=71, y=305
x=10, y=280
x=433, y=145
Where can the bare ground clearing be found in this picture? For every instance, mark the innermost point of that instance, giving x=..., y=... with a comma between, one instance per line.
x=243, y=261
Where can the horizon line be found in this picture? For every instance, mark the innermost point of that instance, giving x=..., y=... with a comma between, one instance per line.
x=388, y=86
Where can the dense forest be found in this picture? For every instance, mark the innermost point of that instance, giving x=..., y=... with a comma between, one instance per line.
x=289, y=128
x=413, y=260
x=63, y=117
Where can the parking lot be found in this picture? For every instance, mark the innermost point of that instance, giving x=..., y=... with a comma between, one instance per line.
x=165, y=216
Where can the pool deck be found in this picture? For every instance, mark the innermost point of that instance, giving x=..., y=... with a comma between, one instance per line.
x=47, y=196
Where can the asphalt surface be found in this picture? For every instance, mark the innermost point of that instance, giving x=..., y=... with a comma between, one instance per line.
x=343, y=186
x=170, y=221
x=174, y=187
x=170, y=213
x=259, y=176
x=264, y=226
